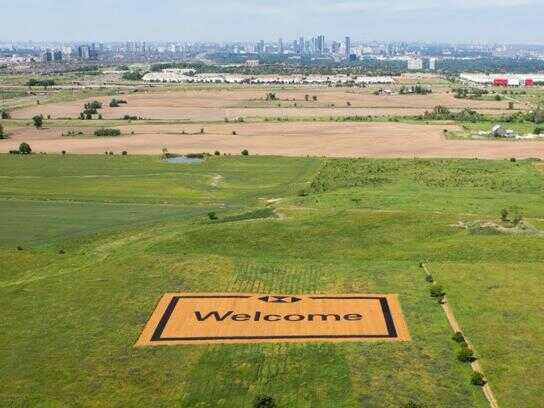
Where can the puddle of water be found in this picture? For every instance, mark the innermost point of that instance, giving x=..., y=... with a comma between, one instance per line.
x=184, y=160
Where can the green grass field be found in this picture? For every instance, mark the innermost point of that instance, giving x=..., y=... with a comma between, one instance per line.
x=133, y=228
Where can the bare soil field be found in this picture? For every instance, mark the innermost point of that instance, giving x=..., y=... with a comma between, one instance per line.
x=334, y=139
x=216, y=104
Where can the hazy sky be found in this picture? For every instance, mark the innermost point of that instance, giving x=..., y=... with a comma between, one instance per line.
x=507, y=21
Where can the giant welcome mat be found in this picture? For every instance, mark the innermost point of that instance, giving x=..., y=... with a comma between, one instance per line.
x=190, y=318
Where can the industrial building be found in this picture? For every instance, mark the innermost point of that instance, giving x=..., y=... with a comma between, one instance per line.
x=515, y=80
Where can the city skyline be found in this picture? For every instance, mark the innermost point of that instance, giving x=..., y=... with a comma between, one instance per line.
x=242, y=20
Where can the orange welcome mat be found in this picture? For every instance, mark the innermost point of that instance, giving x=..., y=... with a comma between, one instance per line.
x=192, y=318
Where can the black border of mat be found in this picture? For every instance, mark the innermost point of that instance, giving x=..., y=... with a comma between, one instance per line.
x=390, y=324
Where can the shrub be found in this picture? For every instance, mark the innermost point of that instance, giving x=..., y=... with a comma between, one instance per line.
x=124, y=153
x=217, y=153
x=19, y=248
x=458, y=337
x=14, y=152
x=202, y=130
x=513, y=159
x=245, y=152
x=38, y=121
x=465, y=355
x=107, y=132
x=477, y=378
x=539, y=130
x=5, y=115
x=234, y=132
x=128, y=117
x=100, y=116
x=437, y=291
x=264, y=401
x=62, y=252
x=429, y=278
x=24, y=148
x=504, y=214
x=2, y=134
x=63, y=152
x=93, y=106
x=212, y=216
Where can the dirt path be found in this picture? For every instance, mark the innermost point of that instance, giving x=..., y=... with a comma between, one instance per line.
x=476, y=366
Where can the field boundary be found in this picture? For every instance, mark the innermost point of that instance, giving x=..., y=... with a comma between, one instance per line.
x=456, y=327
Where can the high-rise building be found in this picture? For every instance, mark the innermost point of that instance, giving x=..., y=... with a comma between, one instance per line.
x=57, y=56
x=320, y=44
x=301, y=45
x=347, y=46
x=280, y=46
x=84, y=52
x=432, y=64
x=415, y=64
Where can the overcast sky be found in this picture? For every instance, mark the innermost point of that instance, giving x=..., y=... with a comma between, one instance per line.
x=505, y=21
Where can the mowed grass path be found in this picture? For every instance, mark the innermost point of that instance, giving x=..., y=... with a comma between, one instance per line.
x=348, y=226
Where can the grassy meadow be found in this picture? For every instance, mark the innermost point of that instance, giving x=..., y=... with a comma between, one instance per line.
x=101, y=238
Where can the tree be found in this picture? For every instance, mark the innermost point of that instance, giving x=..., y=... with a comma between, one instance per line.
x=2, y=135
x=504, y=214
x=38, y=121
x=24, y=148
x=510, y=105
x=245, y=152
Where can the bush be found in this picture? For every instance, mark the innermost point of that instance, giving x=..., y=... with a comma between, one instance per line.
x=217, y=153
x=212, y=216
x=245, y=152
x=234, y=132
x=132, y=76
x=38, y=121
x=437, y=291
x=477, y=378
x=63, y=152
x=429, y=279
x=458, y=337
x=93, y=106
x=124, y=153
x=107, y=132
x=2, y=134
x=264, y=401
x=116, y=102
x=465, y=355
x=539, y=130
x=128, y=117
x=5, y=115
x=24, y=148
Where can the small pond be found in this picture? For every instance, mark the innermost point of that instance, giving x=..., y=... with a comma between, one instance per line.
x=184, y=160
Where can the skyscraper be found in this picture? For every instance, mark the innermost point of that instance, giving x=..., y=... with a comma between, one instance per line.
x=320, y=44
x=301, y=45
x=347, y=45
x=280, y=46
